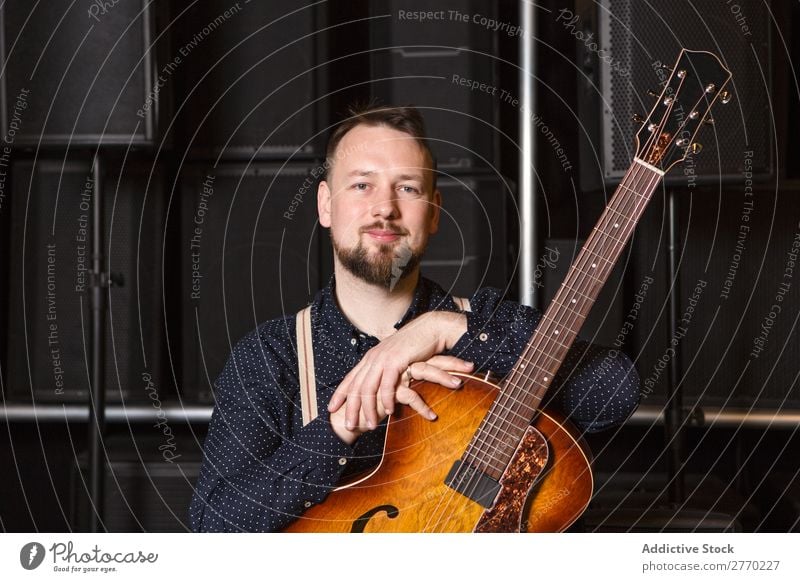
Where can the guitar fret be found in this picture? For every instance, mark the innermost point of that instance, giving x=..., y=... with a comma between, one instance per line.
x=564, y=284
x=625, y=217
x=635, y=213
x=586, y=273
x=624, y=187
x=546, y=354
x=599, y=256
x=567, y=307
x=608, y=235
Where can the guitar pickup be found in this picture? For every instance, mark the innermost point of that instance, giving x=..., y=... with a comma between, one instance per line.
x=472, y=483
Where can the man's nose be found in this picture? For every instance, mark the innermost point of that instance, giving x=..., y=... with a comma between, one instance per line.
x=385, y=204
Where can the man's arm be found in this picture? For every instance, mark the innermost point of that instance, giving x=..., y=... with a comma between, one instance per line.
x=261, y=468
x=595, y=386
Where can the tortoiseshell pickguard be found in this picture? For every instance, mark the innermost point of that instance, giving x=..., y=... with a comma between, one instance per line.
x=526, y=465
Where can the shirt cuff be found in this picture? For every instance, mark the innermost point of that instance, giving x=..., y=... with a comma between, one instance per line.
x=482, y=339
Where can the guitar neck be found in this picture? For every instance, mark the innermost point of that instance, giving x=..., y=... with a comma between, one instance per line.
x=525, y=386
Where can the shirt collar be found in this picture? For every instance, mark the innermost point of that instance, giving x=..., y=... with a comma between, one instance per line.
x=428, y=296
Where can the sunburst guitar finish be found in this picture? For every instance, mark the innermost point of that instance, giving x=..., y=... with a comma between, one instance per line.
x=546, y=487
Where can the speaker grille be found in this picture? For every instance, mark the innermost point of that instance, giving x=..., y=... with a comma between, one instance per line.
x=734, y=352
x=243, y=261
x=51, y=247
x=470, y=249
x=249, y=86
x=420, y=63
x=640, y=36
x=85, y=77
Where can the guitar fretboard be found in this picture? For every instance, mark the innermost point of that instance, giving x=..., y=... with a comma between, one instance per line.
x=496, y=439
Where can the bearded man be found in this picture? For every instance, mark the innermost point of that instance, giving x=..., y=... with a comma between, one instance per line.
x=377, y=326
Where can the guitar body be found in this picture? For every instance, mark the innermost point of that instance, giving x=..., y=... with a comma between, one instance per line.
x=546, y=487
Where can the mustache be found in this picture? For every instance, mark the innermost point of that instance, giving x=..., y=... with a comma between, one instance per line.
x=384, y=226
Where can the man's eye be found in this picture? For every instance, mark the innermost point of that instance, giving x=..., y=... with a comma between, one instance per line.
x=409, y=189
x=361, y=186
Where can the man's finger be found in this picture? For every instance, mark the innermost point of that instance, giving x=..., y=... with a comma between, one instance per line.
x=388, y=388
x=339, y=396
x=430, y=373
x=450, y=363
x=415, y=401
x=367, y=384
x=352, y=411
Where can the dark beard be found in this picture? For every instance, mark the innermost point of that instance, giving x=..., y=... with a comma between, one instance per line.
x=392, y=265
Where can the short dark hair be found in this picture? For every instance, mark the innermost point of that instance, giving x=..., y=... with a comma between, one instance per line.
x=406, y=119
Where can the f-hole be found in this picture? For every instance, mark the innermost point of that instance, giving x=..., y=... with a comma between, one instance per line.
x=361, y=523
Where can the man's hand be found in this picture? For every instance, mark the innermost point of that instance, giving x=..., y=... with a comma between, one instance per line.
x=379, y=376
x=435, y=369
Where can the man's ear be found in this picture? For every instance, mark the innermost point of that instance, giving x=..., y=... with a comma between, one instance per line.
x=324, y=204
x=436, y=208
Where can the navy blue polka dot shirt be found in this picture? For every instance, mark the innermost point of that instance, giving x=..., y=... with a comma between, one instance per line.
x=262, y=468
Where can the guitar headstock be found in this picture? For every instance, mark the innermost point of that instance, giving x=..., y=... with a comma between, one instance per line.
x=668, y=134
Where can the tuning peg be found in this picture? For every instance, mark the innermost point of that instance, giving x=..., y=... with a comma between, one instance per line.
x=708, y=121
x=725, y=97
x=637, y=118
x=696, y=147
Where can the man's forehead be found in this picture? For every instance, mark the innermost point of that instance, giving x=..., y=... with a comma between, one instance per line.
x=366, y=139
x=404, y=172
x=384, y=147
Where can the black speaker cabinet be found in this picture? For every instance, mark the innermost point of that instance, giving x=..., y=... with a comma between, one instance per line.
x=444, y=66
x=50, y=258
x=622, y=46
x=251, y=81
x=736, y=336
x=249, y=253
x=143, y=492
x=79, y=73
x=471, y=248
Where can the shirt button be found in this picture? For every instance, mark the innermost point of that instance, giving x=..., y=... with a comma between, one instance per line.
x=483, y=337
x=343, y=461
x=353, y=341
x=307, y=504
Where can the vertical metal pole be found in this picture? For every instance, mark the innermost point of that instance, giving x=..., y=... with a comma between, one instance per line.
x=527, y=157
x=674, y=411
x=97, y=398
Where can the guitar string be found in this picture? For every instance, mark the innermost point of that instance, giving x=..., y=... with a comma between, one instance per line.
x=503, y=402
x=635, y=175
x=546, y=327
x=616, y=244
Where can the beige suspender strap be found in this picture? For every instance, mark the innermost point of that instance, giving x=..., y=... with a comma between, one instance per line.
x=305, y=361
x=462, y=303
x=305, y=366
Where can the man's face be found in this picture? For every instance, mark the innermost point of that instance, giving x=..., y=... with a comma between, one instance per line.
x=379, y=203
